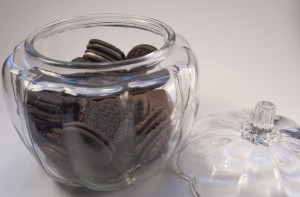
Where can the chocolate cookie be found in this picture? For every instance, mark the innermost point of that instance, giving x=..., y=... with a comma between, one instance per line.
x=84, y=103
x=94, y=157
x=46, y=107
x=42, y=124
x=105, y=118
x=47, y=135
x=97, y=56
x=152, y=144
x=119, y=167
x=153, y=125
x=47, y=111
x=52, y=106
x=54, y=135
x=140, y=107
x=100, y=51
x=58, y=159
x=148, y=102
x=92, y=57
x=39, y=129
x=140, y=50
x=78, y=59
x=50, y=100
x=159, y=99
x=86, y=145
x=50, y=117
x=155, y=118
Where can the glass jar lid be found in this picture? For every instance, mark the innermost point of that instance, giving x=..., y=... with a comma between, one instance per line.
x=242, y=153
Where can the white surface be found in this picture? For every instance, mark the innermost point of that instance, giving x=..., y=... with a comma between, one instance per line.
x=247, y=51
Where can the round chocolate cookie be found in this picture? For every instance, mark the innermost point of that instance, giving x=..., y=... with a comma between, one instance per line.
x=47, y=135
x=97, y=56
x=42, y=124
x=159, y=98
x=105, y=118
x=44, y=101
x=92, y=57
x=50, y=97
x=53, y=135
x=100, y=51
x=50, y=117
x=94, y=157
x=140, y=50
x=116, y=170
x=84, y=103
x=155, y=118
x=78, y=59
x=87, y=146
x=58, y=160
x=149, y=108
x=152, y=146
x=154, y=128
x=140, y=107
x=51, y=109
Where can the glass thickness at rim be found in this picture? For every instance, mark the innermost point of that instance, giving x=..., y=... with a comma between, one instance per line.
x=98, y=20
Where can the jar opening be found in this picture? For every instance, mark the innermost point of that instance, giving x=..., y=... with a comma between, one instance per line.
x=66, y=33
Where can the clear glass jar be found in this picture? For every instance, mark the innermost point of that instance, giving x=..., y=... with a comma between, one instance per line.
x=102, y=126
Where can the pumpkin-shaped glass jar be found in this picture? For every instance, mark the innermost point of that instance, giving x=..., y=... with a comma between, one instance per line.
x=101, y=125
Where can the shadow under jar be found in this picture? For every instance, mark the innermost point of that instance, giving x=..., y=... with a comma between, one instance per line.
x=102, y=125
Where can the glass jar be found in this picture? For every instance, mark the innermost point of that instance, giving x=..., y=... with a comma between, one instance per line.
x=103, y=125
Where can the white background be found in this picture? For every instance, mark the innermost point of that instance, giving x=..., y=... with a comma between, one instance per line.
x=247, y=50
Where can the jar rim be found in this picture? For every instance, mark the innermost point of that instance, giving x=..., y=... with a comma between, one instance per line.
x=107, y=19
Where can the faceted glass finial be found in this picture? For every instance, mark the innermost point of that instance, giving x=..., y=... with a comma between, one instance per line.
x=264, y=113
x=260, y=130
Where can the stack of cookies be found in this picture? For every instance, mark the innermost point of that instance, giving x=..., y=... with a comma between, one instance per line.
x=100, y=138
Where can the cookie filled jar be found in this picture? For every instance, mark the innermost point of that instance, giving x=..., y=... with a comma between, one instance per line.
x=102, y=101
